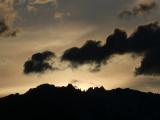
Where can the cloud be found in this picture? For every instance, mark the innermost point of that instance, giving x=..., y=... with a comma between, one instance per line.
x=144, y=41
x=140, y=10
x=7, y=10
x=145, y=38
x=70, y=11
x=90, y=52
x=6, y=31
x=42, y=1
x=150, y=63
x=34, y=3
x=8, y=16
x=117, y=42
x=33, y=13
x=10, y=12
x=39, y=62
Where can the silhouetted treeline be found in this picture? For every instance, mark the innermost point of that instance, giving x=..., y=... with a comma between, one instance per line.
x=47, y=102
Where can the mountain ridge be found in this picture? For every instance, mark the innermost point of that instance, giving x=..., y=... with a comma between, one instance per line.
x=77, y=89
x=47, y=102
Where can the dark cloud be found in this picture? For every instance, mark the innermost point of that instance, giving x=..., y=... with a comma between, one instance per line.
x=151, y=63
x=39, y=63
x=139, y=10
x=145, y=40
x=117, y=42
x=90, y=52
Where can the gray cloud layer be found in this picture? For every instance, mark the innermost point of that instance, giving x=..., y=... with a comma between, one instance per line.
x=36, y=13
x=10, y=13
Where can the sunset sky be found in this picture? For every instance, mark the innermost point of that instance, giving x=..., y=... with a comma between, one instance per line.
x=28, y=27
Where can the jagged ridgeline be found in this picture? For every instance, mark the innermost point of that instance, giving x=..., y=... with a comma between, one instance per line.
x=47, y=102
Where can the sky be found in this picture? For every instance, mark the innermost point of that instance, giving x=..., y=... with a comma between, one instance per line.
x=37, y=37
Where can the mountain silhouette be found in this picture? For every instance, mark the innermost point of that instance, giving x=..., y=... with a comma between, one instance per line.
x=47, y=102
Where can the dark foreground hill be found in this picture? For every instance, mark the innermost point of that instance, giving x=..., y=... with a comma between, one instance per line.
x=47, y=102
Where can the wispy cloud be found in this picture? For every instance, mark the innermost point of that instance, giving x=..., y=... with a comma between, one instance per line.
x=141, y=9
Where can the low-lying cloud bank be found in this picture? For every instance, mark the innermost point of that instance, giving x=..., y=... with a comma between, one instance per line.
x=145, y=40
